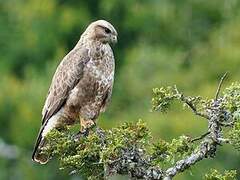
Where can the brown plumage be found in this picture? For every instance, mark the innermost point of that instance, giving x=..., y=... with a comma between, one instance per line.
x=82, y=84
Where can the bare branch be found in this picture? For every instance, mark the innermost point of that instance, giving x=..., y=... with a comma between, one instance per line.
x=220, y=85
x=230, y=124
x=185, y=100
x=200, y=137
x=190, y=104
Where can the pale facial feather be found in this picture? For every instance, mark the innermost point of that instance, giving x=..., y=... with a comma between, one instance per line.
x=102, y=31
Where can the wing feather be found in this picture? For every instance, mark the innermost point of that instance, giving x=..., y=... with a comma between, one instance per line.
x=106, y=99
x=67, y=75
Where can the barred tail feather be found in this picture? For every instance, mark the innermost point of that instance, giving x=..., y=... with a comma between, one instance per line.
x=48, y=125
x=37, y=155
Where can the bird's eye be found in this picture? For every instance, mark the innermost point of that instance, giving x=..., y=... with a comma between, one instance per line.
x=107, y=30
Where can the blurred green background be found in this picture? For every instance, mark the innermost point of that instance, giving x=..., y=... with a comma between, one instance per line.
x=190, y=43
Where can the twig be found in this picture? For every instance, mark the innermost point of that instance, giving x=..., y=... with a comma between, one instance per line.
x=223, y=140
x=193, y=108
x=189, y=103
x=220, y=85
x=230, y=124
x=200, y=137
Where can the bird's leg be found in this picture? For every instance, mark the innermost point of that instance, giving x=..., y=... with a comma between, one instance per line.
x=86, y=125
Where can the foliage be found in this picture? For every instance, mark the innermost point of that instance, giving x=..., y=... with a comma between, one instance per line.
x=169, y=153
x=231, y=103
x=88, y=155
x=215, y=175
x=234, y=135
x=162, y=97
x=232, y=99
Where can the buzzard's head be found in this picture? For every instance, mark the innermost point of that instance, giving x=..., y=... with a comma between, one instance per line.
x=102, y=31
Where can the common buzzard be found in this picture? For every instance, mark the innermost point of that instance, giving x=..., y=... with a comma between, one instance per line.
x=82, y=84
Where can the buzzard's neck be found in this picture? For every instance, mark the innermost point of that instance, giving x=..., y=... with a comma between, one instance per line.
x=89, y=43
x=99, y=52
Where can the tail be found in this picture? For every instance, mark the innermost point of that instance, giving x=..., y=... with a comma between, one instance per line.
x=37, y=154
x=47, y=126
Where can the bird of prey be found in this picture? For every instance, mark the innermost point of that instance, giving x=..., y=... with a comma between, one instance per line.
x=81, y=86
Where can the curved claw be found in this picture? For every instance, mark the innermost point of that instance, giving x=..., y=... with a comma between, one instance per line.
x=80, y=134
x=84, y=132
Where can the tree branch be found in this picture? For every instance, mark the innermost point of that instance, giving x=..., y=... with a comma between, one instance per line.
x=190, y=104
x=207, y=147
x=220, y=85
x=141, y=169
x=211, y=140
x=200, y=137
